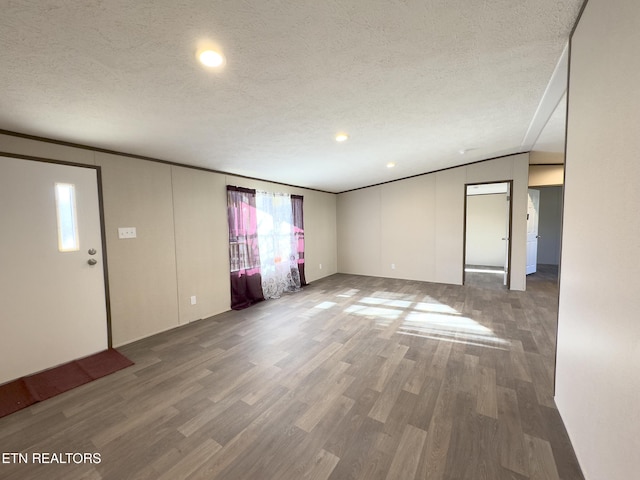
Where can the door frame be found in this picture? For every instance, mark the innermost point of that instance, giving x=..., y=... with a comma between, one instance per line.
x=537, y=232
x=98, y=170
x=509, y=233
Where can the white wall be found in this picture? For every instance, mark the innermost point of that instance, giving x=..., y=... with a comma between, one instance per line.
x=540, y=158
x=549, y=225
x=417, y=224
x=487, y=224
x=182, y=244
x=545, y=175
x=201, y=234
x=598, y=362
x=142, y=271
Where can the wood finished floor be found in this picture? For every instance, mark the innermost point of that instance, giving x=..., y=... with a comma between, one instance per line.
x=353, y=378
x=485, y=280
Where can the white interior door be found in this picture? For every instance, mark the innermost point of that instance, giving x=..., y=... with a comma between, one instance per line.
x=53, y=300
x=532, y=230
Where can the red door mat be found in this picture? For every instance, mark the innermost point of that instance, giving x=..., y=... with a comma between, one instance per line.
x=26, y=391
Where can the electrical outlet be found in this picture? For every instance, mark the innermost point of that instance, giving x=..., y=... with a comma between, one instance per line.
x=193, y=299
x=127, y=232
x=320, y=267
x=393, y=266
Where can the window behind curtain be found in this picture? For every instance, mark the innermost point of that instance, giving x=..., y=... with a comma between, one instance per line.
x=298, y=233
x=244, y=255
x=266, y=244
x=278, y=244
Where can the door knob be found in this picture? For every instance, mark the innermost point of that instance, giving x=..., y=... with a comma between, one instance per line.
x=92, y=251
x=92, y=261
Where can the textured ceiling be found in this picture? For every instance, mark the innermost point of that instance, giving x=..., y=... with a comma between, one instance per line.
x=411, y=81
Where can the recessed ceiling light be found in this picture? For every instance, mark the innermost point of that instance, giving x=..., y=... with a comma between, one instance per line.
x=211, y=58
x=342, y=137
x=391, y=164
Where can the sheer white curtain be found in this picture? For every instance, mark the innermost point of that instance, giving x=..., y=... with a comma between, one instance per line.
x=277, y=244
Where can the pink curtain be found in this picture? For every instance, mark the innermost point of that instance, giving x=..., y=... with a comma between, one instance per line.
x=298, y=233
x=244, y=255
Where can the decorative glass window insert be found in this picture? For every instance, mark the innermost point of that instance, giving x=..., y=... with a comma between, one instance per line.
x=67, y=218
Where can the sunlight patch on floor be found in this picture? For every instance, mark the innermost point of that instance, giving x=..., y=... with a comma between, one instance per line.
x=450, y=328
x=386, y=302
x=366, y=311
x=454, y=340
x=435, y=308
x=428, y=319
x=325, y=305
x=393, y=295
x=349, y=293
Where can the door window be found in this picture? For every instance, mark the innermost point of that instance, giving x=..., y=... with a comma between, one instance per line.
x=67, y=218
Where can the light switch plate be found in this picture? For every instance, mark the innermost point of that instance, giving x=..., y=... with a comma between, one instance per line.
x=127, y=232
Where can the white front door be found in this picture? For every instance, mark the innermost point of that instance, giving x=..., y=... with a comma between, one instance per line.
x=52, y=299
x=532, y=230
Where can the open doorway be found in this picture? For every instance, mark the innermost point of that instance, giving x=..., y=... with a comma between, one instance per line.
x=533, y=216
x=487, y=244
x=544, y=229
x=550, y=225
